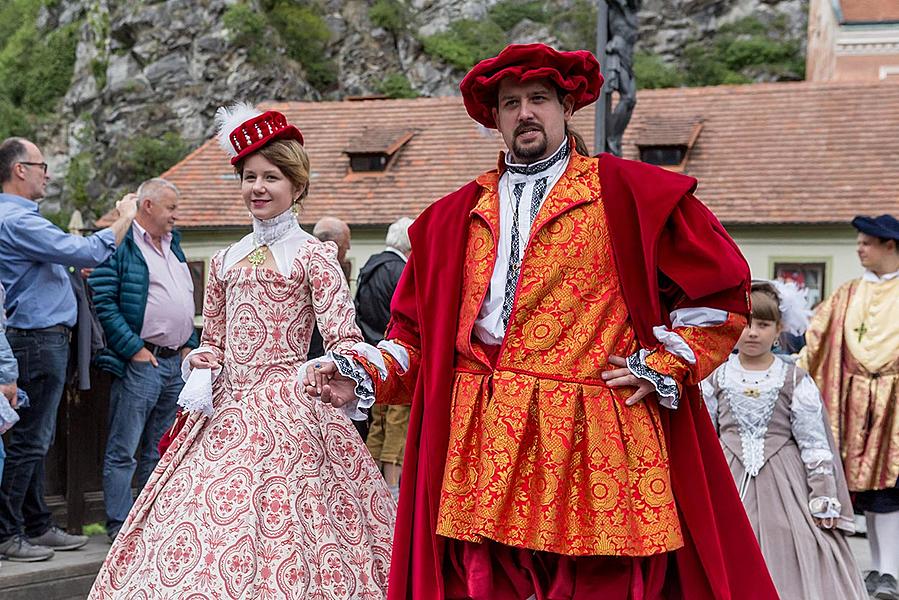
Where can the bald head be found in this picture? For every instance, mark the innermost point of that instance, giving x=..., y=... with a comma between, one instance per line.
x=334, y=230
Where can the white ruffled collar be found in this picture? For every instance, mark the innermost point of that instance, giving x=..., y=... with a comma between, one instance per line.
x=873, y=277
x=270, y=231
x=283, y=236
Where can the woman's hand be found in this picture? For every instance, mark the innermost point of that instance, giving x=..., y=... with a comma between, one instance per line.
x=203, y=360
x=323, y=380
x=827, y=523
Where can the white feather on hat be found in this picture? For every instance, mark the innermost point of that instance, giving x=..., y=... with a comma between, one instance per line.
x=229, y=118
x=794, y=311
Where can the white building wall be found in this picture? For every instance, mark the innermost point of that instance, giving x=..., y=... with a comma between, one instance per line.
x=832, y=245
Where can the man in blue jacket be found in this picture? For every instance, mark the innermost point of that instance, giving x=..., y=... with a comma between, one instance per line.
x=144, y=299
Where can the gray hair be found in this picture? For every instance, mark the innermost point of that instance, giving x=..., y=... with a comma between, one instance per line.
x=398, y=235
x=151, y=187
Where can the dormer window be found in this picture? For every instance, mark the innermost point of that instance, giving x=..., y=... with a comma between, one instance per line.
x=360, y=162
x=663, y=155
x=375, y=150
x=667, y=141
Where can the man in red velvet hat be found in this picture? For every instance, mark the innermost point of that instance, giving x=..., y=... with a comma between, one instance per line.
x=550, y=330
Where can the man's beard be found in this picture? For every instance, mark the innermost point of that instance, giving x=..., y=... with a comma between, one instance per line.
x=530, y=153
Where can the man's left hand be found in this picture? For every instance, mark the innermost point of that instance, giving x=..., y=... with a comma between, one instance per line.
x=184, y=352
x=624, y=378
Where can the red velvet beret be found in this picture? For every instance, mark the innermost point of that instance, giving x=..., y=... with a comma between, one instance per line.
x=575, y=72
x=253, y=134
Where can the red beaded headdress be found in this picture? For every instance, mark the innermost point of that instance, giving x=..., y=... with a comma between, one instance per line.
x=243, y=129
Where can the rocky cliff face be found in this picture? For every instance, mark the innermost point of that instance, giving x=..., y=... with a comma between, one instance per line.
x=148, y=70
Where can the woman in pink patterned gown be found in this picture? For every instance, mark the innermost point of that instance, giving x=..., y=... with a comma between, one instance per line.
x=274, y=495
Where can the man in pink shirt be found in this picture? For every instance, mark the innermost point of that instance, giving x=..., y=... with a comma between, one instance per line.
x=144, y=298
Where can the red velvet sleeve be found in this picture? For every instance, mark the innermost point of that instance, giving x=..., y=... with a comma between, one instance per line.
x=399, y=384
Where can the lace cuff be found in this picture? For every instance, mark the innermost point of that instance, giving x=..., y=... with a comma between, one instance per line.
x=665, y=386
x=185, y=364
x=824, y=507
x=364, y=390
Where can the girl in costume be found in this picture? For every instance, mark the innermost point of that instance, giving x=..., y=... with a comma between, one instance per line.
x=264, y=492
x=774, y=432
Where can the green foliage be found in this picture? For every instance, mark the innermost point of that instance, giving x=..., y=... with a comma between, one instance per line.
x=60, y=218
x=245, y=26
x=14, y=120
x=652, y=72
x=391, y=15
x=98, y=69
x=466, y=42
x=743, y=51
x=36, y=67
x=509, y=13
x=144, y=156
x=576, y=25
x=396, y=85
x=306, y=36
x=80, y=173
x=14, y=14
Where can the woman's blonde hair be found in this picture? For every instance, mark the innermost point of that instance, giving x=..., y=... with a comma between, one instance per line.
x=765, y=302
x=290, y=157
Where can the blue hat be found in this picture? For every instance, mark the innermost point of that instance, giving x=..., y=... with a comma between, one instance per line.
x=884, y=226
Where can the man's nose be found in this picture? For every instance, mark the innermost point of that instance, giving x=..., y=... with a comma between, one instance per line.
x=525, y=113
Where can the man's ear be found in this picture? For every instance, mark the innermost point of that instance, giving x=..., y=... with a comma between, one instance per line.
x=495, y=112
x=568, y=106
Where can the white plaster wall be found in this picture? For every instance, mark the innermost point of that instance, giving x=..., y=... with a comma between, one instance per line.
x=834, y=245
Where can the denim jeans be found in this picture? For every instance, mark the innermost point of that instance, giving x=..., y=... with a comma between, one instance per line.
x=43, y=357
x=142, y=406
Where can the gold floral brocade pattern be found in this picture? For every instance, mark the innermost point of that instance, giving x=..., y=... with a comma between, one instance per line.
x=542, y=454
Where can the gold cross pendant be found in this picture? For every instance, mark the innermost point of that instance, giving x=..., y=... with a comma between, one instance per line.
x=861, y=330
x=257, y=256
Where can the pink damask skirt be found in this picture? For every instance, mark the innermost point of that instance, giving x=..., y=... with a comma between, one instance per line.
x=275, y=496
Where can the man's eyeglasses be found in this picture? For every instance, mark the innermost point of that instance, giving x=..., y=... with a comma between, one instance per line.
x=35, y=164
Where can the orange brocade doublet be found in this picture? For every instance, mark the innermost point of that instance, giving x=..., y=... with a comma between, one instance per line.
x=542, y=454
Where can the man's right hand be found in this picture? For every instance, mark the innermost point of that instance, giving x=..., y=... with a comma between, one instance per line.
x=144, y=355
x=203, y=360
x=323, y=380
x=11, y=391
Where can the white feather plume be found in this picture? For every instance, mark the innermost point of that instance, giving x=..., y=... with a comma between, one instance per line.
x=229, y=118
x=794, y=311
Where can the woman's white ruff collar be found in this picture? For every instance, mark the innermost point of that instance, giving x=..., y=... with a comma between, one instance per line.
x=269, y=231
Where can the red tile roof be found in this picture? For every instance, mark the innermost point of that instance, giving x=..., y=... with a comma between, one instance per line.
x=788, y=152
x=767, y=153
x=869, y=11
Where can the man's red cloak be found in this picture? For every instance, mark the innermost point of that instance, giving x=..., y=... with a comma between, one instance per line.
x=656, y=226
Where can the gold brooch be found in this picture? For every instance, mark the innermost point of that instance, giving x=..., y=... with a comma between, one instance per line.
x=257, y=256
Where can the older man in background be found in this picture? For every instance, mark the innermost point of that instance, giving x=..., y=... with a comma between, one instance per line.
x=144, y=299
x=41, y=310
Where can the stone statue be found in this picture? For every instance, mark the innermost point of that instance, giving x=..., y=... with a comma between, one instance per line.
x=619, y=69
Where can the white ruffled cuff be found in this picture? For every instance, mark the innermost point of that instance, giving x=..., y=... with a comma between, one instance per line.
x=824, y=507
x=665, y=385
x=185, y=364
